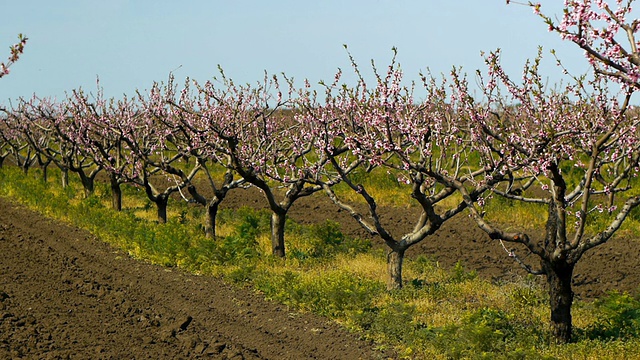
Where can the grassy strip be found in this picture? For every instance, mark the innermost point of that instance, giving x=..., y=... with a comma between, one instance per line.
x=440, y=313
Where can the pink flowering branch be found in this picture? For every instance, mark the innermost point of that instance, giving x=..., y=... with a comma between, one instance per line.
x=606, y=35
x=16, y=50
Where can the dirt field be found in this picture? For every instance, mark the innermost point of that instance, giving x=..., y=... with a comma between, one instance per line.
x=66, y=295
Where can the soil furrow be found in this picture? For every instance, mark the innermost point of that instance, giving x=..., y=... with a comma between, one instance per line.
x=65, y=294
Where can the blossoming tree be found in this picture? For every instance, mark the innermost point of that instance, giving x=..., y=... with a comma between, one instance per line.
x=579, y=144
x=255, y=131
x=51, y=131
x=383, y=126
x=192, y=135
x=584, y=127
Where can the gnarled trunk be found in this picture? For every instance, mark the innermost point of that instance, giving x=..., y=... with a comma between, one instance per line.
x=87, y=184
x=559, y=275
x=395, y=259
x=44, y=166
x=212, y=207
x=25, y=167
x=161, y=205
x=212, y=213
x=45, y=172
x=64, y=177
x=116, y=192
x=278, y=219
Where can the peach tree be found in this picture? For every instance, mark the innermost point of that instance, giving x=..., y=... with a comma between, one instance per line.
x=383, y=126
x=577, y=144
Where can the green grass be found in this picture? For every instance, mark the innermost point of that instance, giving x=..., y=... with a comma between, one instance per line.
x=441, y=313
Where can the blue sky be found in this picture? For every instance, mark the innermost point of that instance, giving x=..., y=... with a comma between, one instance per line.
x=131, y=43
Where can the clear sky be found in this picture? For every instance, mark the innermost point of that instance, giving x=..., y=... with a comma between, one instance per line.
x=131, y=43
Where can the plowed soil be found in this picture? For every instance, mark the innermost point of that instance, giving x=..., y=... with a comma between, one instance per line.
x=66, y=295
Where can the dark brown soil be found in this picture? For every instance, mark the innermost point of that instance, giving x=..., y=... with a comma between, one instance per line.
x=66, y=295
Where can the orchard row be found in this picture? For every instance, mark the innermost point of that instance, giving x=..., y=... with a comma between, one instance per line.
x=573, y=149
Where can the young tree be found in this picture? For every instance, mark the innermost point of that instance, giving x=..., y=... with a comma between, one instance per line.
x=97, y=123
x=35, y=130
x=150, y=152
x=257, y=136
x=13, y=141
x=579, y=144
x=126, y=138
x=608, y=39
x=191, y=134
x=51, y=130
x=383, y=126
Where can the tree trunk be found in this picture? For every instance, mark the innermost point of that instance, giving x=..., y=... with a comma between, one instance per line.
x=44, y=166
x=394, y=266
x=45, y=173
x=277, y=232
x=116, y=192
x=25, y=162
x=87, y=184
x=212, y=213
x=64, y=177
x=559, y=277
x=161, y=205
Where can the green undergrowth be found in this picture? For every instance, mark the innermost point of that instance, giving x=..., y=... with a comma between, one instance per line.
x=440, y=313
